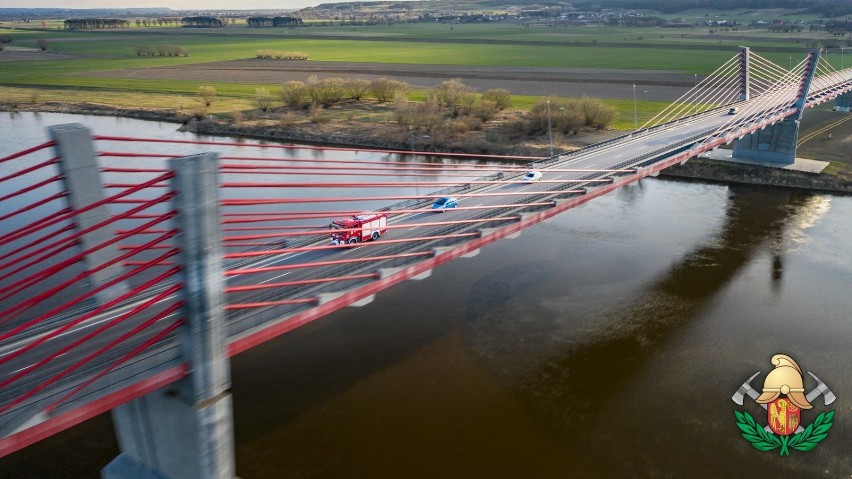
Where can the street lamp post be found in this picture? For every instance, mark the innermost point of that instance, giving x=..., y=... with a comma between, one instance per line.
x=790, y=63
x=549, y=129
x=635, y=116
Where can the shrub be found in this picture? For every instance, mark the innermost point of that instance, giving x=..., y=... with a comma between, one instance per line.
x=485, y=110
x=42, y=44
x=565, y=116
x=206, y=95
x=279, y=55
x=161, y=50
x=326, y=92
x=502, y=98
x=597, y=114
x=427, y=115
x=385, y=89
x=262, y=99
x=403, y=111
x=315, y=114
x=356, y=88
x=294, y=94
x=451, y=94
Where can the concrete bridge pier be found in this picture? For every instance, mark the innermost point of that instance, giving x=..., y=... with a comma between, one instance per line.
x=843, y=102
x=776, y=144
x=185, y=430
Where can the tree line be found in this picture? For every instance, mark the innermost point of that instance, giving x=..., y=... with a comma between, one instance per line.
x=202, y=22
x=261, y=22
x=161, y=50
x=95, y=23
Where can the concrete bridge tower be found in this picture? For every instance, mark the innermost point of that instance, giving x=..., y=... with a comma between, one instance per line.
x=776, y=144
x=182, y=431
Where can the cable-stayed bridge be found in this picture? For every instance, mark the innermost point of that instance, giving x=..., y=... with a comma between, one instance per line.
x=128, y=274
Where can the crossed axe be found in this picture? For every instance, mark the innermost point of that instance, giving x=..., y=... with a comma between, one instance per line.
x=820, y=390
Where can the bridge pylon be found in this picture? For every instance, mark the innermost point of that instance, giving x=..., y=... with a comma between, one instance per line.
x=185, y=430
x=81, y=180
x=745, y=55
x=776, y=144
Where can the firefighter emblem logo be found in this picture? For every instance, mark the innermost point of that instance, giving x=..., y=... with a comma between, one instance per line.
x=784, y=399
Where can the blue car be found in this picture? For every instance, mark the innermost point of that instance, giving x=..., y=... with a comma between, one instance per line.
x=445, y=203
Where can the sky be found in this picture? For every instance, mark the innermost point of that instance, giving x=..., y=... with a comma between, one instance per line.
x=173, y=4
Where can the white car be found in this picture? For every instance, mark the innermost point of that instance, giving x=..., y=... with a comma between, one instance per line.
x=532, y=176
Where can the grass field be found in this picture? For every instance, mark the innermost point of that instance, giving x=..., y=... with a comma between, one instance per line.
x=680, y=50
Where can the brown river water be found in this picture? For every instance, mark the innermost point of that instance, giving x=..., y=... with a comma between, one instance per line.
x=604, y=343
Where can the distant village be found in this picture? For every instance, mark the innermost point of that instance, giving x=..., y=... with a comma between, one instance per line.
x=388, y=13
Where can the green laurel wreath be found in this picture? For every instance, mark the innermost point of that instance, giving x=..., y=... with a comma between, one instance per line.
x=767, y=441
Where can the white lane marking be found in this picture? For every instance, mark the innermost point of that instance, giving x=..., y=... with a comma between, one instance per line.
x=275, y=277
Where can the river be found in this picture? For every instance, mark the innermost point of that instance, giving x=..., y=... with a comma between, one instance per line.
x=606, y=342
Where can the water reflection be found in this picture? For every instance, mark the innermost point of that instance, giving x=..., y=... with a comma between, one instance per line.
x=580, y=390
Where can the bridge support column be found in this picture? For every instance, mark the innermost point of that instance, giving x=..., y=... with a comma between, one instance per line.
x=81, y=178
x=185, y=431
x=843, y=102
x=775, y=144
x=744, y=73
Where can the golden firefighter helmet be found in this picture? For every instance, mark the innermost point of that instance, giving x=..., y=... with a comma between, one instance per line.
x=786, y=378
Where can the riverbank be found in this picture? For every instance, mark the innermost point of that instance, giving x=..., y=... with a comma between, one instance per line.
x=836, y=178
x=333, y=128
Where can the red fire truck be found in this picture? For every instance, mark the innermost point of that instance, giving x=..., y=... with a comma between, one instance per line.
x=366, y=226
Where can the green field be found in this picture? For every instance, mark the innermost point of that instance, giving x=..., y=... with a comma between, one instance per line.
x=683, y=50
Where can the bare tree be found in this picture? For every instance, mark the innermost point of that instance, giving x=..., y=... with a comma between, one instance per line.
x=597, y=114
x=206, y=95
x=485, y=109
x=357, y=88
x=452, y=95
x=262, y=99
x=501, y=97
x=385, y=89
x=327, y=91
x=42, y=43
x=294, y=94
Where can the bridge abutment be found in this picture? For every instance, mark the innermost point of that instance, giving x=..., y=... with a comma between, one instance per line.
x=185, y=431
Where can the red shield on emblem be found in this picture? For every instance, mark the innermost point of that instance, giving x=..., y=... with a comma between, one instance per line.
x=783, y=416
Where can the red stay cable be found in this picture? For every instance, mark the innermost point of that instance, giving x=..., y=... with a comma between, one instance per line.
x=11, y=237
x=252, y=254
x=68, y=347
x=100, y=309
x=18, y=173
x=139, y=328
x=26, y=304
x=266, y=269
x=255, y=287
x=138, y=349
x=80, y=299
x=34, y=186
x=33, y=206
x=34, y=149
x=264, y=304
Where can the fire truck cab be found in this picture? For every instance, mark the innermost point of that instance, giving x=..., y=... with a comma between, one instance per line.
x=363, y=227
